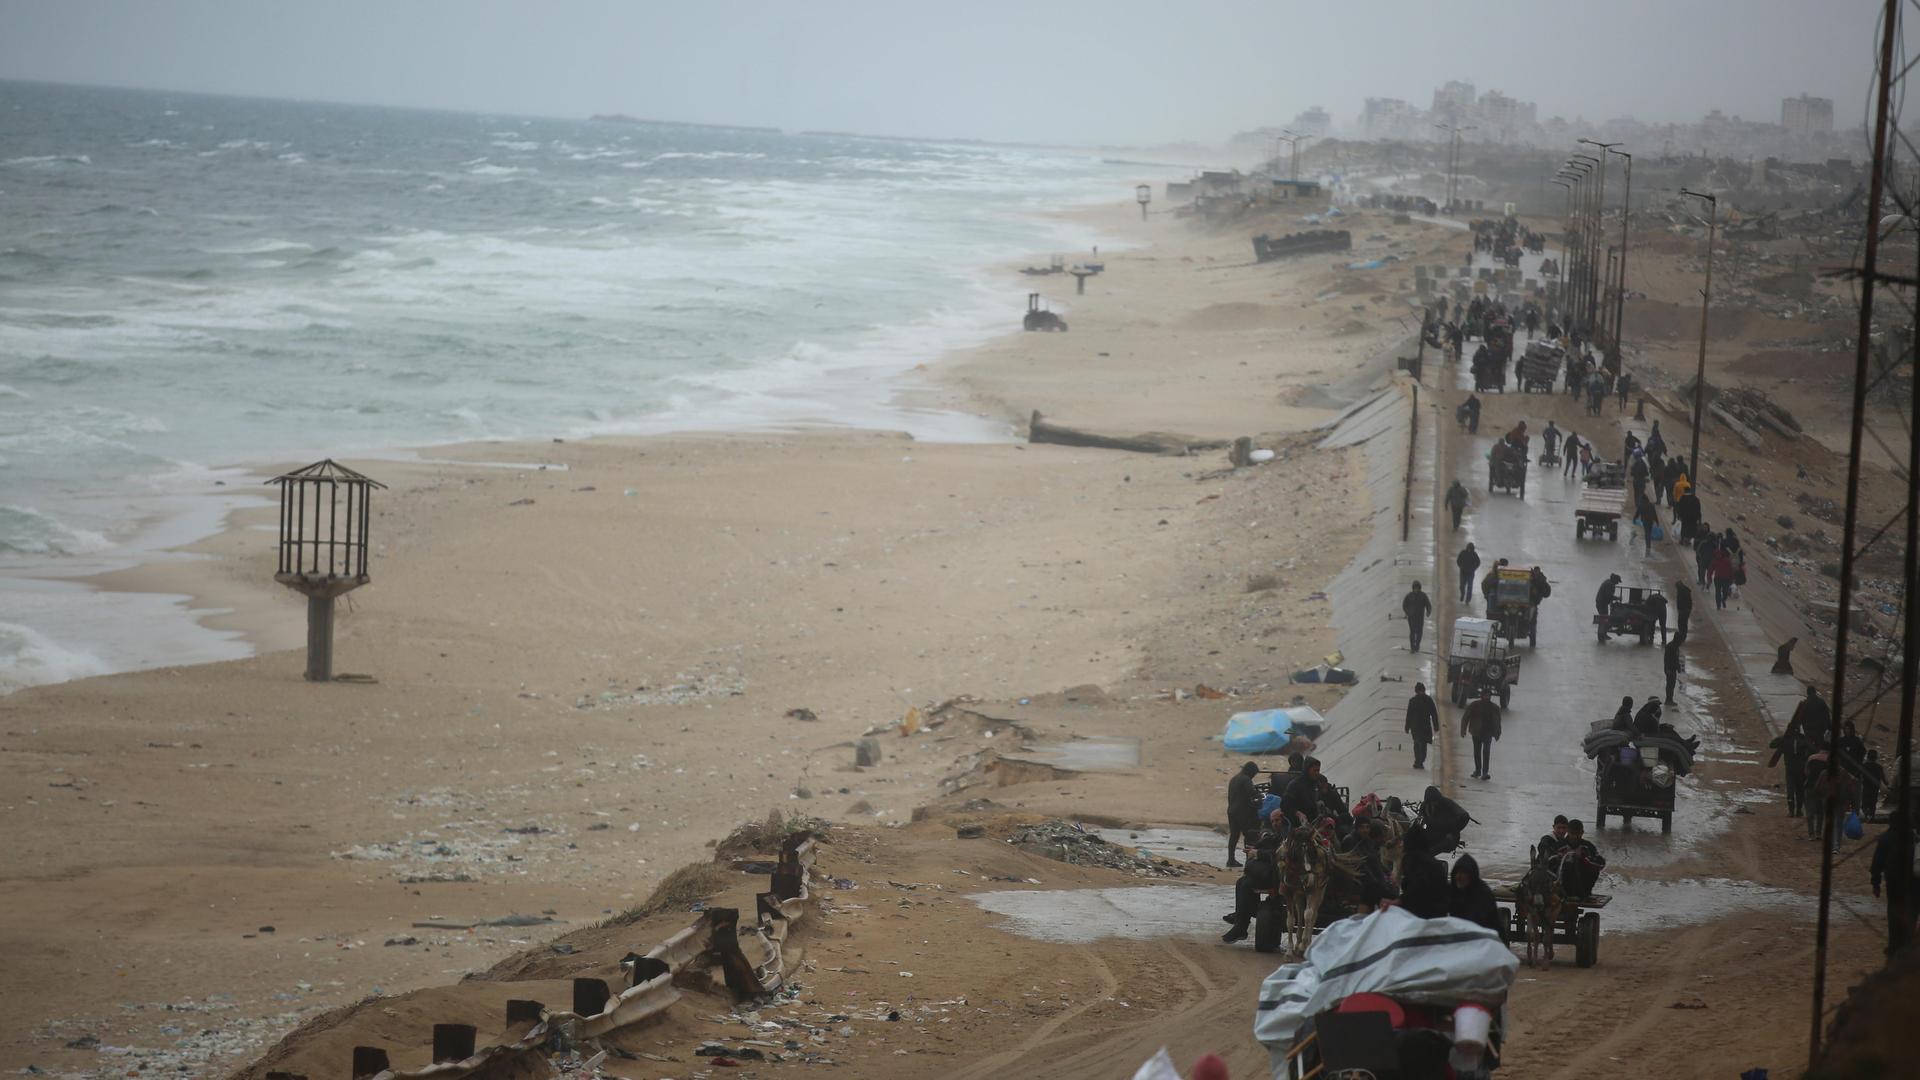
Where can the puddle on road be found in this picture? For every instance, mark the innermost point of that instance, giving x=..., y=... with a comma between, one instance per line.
x=1138, y=913
x=1092, y=753
x=1186, y=845
x=1643, y=906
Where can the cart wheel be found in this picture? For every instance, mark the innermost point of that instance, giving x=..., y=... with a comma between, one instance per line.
x=1523, y=485
x=1613, y=531
x=1533, y=636
x=1579, y=528
x=1586, y=940
x=1269, y=919
x=1666, y=823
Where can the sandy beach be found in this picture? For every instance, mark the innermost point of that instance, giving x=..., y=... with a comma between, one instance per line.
x=580, y=668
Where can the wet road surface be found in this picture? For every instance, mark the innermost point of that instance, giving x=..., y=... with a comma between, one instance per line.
x=1570, y=680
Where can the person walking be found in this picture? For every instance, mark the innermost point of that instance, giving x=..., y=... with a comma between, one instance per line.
x=1721, y=570
x=1551, y=438
x=1572, y=454
x=1682, y=607
x=1885, y=867
x=1480, y=721
x=1243, y=813
x=1621, y=386
x=1673, y=665
x=1686, y=510
x=1457, y=502
x=1416, y=605
x=1704, y=550
x=1468, y=562
x=1812, y=718
x=1423, y=722
x=1646, y=517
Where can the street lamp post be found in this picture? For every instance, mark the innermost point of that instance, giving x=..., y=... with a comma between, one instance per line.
x=1583, y=210
x=1592, y=283
x=1560, y=286
x=1700, y=373
x=1626, y=215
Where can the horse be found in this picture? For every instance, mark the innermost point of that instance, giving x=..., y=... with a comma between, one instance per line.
x=1536, y=902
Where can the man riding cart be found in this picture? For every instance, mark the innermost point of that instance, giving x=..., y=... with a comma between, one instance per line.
x=1478, y=662
x=1637, y=769
x=1628, y=610
x=1507, y=466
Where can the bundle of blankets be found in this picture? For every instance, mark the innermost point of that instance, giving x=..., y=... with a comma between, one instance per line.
x=1665, y=745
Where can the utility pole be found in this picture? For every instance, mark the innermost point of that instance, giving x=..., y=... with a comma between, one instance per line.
x=1620, y=301
x=1885, y=75
x=1293, y=152
x=1453, y=159
x=1700, y=372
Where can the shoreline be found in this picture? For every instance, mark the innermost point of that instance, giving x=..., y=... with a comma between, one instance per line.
x=162, y=564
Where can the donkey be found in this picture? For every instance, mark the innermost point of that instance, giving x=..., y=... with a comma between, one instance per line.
x=1537, y=902
x=1305, y=865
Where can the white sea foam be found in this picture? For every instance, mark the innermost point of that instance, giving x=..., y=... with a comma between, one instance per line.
x=496, y=170
x=50, y=159
x=27, y=531
x=30, y=658
x=260, y=247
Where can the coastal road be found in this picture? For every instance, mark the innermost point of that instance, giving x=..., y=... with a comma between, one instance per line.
x=1570, y=679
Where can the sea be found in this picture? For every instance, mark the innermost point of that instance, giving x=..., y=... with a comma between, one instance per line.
x=190, y=285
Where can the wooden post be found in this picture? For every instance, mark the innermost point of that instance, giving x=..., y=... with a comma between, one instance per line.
x=319, y=638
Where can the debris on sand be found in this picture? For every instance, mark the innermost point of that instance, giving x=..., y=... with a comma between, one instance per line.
x=1070, y=842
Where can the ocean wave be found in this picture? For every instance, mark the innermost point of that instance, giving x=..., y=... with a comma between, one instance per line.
x=50, y=159
x=520, y=145
x=27, y=531
x=260, y=247
x=497, y=170
x=30, y=658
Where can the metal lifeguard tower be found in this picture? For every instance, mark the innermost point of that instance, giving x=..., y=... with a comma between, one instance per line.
x=324, y=510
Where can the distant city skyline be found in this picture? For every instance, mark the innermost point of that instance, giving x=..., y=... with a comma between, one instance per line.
x=1086, y=72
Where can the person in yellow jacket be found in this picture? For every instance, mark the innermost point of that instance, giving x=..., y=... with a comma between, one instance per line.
x=1681, y=485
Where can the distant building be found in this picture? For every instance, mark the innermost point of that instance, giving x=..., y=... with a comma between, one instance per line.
x=1390, y=118
x=1807, y=115
x=1505, y=119
x=1314, y=122
x=1453, y=103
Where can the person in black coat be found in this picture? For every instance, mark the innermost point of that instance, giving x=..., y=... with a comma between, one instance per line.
x=1673, y=664
x=1416, y=605
x=1302, y=796
x=1469, y=563
x=1471, y=899
x=1423, y=884
x=1243, y=812
x=1580, y=861
x=1623, y=719
x=1682, y=607
x=1423, y=721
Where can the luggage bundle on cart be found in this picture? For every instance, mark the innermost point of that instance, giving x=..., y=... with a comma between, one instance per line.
x=1540, y=366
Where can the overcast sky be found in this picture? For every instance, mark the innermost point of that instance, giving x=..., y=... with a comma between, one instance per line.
x=1080, y=71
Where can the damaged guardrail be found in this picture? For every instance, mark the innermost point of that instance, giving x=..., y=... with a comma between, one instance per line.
x=718, y=938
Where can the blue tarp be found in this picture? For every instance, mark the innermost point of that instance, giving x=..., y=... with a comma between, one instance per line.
x=1268, y=731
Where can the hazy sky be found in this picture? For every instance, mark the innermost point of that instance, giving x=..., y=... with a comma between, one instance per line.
x=1069, y=70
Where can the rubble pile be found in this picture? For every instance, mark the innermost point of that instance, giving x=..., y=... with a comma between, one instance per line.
x=1070, y=842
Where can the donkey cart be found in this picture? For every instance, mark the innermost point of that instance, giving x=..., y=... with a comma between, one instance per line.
x=1578, y=924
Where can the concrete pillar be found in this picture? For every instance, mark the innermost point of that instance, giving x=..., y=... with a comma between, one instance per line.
x=319, y=639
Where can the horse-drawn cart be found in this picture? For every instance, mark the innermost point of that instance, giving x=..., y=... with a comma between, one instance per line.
x=1578, y=923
